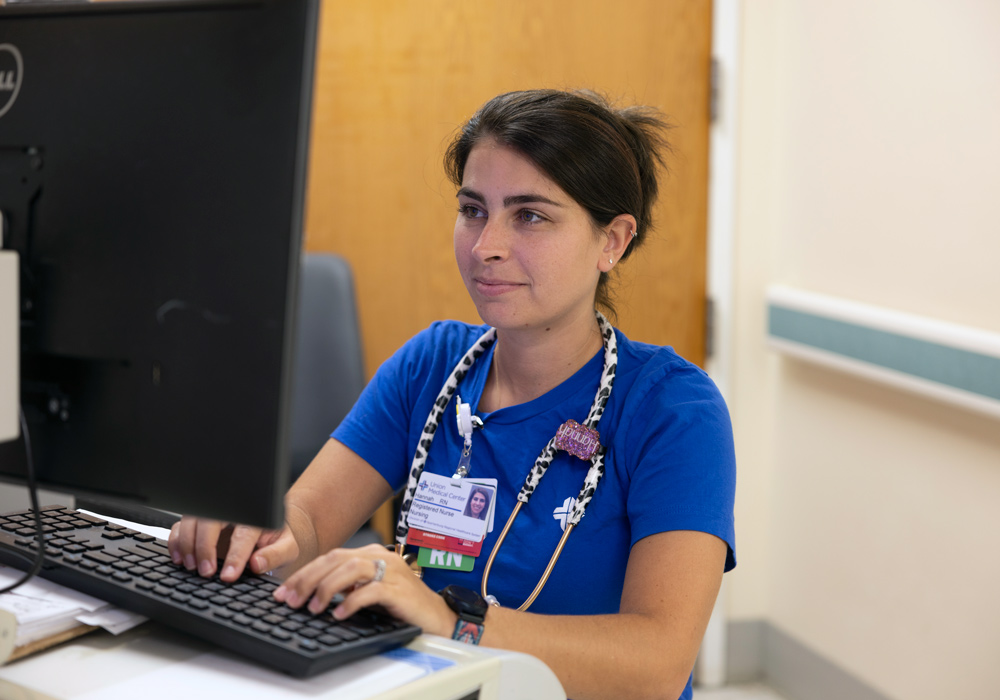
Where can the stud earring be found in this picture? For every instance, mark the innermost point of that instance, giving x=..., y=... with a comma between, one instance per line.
x=611, y=261
x=635, y=233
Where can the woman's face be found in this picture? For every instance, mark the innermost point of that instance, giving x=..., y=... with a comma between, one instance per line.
x=477, y=503
x=528, y=252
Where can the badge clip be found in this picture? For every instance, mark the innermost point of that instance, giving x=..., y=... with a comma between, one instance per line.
x=466, y=423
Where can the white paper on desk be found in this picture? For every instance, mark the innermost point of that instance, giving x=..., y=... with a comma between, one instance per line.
x=114, y=620
x=44, y=608
x=41, y=607
x=43, y=590
x=217, y=674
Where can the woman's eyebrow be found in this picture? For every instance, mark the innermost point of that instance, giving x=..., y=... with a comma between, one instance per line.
x=510, y=200
x=528, y=199
x=471, y=194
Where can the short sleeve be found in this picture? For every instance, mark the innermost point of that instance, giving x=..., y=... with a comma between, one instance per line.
x=681, y=457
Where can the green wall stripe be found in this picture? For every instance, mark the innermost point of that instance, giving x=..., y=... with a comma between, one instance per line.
x=961, y=369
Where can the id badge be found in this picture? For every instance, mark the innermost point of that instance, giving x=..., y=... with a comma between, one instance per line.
x=459, y=509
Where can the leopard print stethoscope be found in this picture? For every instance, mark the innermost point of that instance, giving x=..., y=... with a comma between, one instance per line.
x=559, y=441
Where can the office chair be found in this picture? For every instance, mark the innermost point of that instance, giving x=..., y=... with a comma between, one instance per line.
x=329, y=369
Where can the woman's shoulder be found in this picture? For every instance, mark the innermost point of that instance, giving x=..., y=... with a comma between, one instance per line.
x=441, y=343
x=659, y=370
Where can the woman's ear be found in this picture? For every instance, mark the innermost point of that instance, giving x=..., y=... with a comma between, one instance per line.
x=618, y=235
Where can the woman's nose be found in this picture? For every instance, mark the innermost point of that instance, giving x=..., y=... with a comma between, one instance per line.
x=493, y=242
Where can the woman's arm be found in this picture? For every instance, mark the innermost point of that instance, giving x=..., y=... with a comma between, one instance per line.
x=645, y=651
x=648, y=649
x=335, y=496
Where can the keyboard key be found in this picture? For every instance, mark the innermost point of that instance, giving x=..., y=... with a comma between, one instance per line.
x=345, y=634
x=100, y=557
x=155, y=548
x=359, y=630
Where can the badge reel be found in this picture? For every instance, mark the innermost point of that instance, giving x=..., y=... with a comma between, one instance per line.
x=466, y=423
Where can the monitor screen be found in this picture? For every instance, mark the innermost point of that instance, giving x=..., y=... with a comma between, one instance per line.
x=152, y=179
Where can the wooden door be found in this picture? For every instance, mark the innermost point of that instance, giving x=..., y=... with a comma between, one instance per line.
x=396, y=78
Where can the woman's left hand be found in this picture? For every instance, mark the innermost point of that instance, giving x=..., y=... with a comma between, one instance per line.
x=353, y=572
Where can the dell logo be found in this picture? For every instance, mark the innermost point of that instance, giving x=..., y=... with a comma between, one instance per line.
x=11, y=72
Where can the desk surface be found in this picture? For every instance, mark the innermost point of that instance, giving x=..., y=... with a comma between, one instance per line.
x=152, y=662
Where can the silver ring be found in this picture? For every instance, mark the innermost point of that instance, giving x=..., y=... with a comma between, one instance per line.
x=379, y=570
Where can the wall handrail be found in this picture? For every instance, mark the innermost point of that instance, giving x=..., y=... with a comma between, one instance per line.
x=946, y=361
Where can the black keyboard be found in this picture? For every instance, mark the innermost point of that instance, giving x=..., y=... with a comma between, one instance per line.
x=134, y=571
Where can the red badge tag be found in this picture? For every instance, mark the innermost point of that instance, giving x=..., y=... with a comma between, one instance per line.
x=432, y=540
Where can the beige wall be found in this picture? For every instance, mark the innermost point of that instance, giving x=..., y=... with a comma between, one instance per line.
x=869, y=161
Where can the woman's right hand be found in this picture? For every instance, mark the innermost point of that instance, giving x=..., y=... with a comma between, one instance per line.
x=198, y=544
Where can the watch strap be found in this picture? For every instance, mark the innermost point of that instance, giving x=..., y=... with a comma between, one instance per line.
x=467, y=631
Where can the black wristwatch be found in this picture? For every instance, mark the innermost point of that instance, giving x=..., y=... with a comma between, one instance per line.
x=471, y=609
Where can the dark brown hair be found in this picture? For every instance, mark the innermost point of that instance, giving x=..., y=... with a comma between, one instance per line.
x=605, y=158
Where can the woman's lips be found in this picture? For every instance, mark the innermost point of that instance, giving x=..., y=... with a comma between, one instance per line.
x=492, y=288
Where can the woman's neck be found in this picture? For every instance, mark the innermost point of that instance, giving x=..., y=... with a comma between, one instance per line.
x=528, y=364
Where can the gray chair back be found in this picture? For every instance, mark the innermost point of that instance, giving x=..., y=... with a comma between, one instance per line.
x=329, y=365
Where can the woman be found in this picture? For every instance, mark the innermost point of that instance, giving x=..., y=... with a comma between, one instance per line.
x=555, y=189
x=478, y=505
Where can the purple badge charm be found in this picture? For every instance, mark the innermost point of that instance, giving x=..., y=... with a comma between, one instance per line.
x=580, y=441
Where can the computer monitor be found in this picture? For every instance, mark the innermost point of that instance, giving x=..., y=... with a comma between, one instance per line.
x=152, y=179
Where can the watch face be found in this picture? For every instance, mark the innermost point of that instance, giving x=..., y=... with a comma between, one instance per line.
x=465, y=602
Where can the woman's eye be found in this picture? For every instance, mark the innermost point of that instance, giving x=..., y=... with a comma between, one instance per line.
x=530, y=217
x=471, y=212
